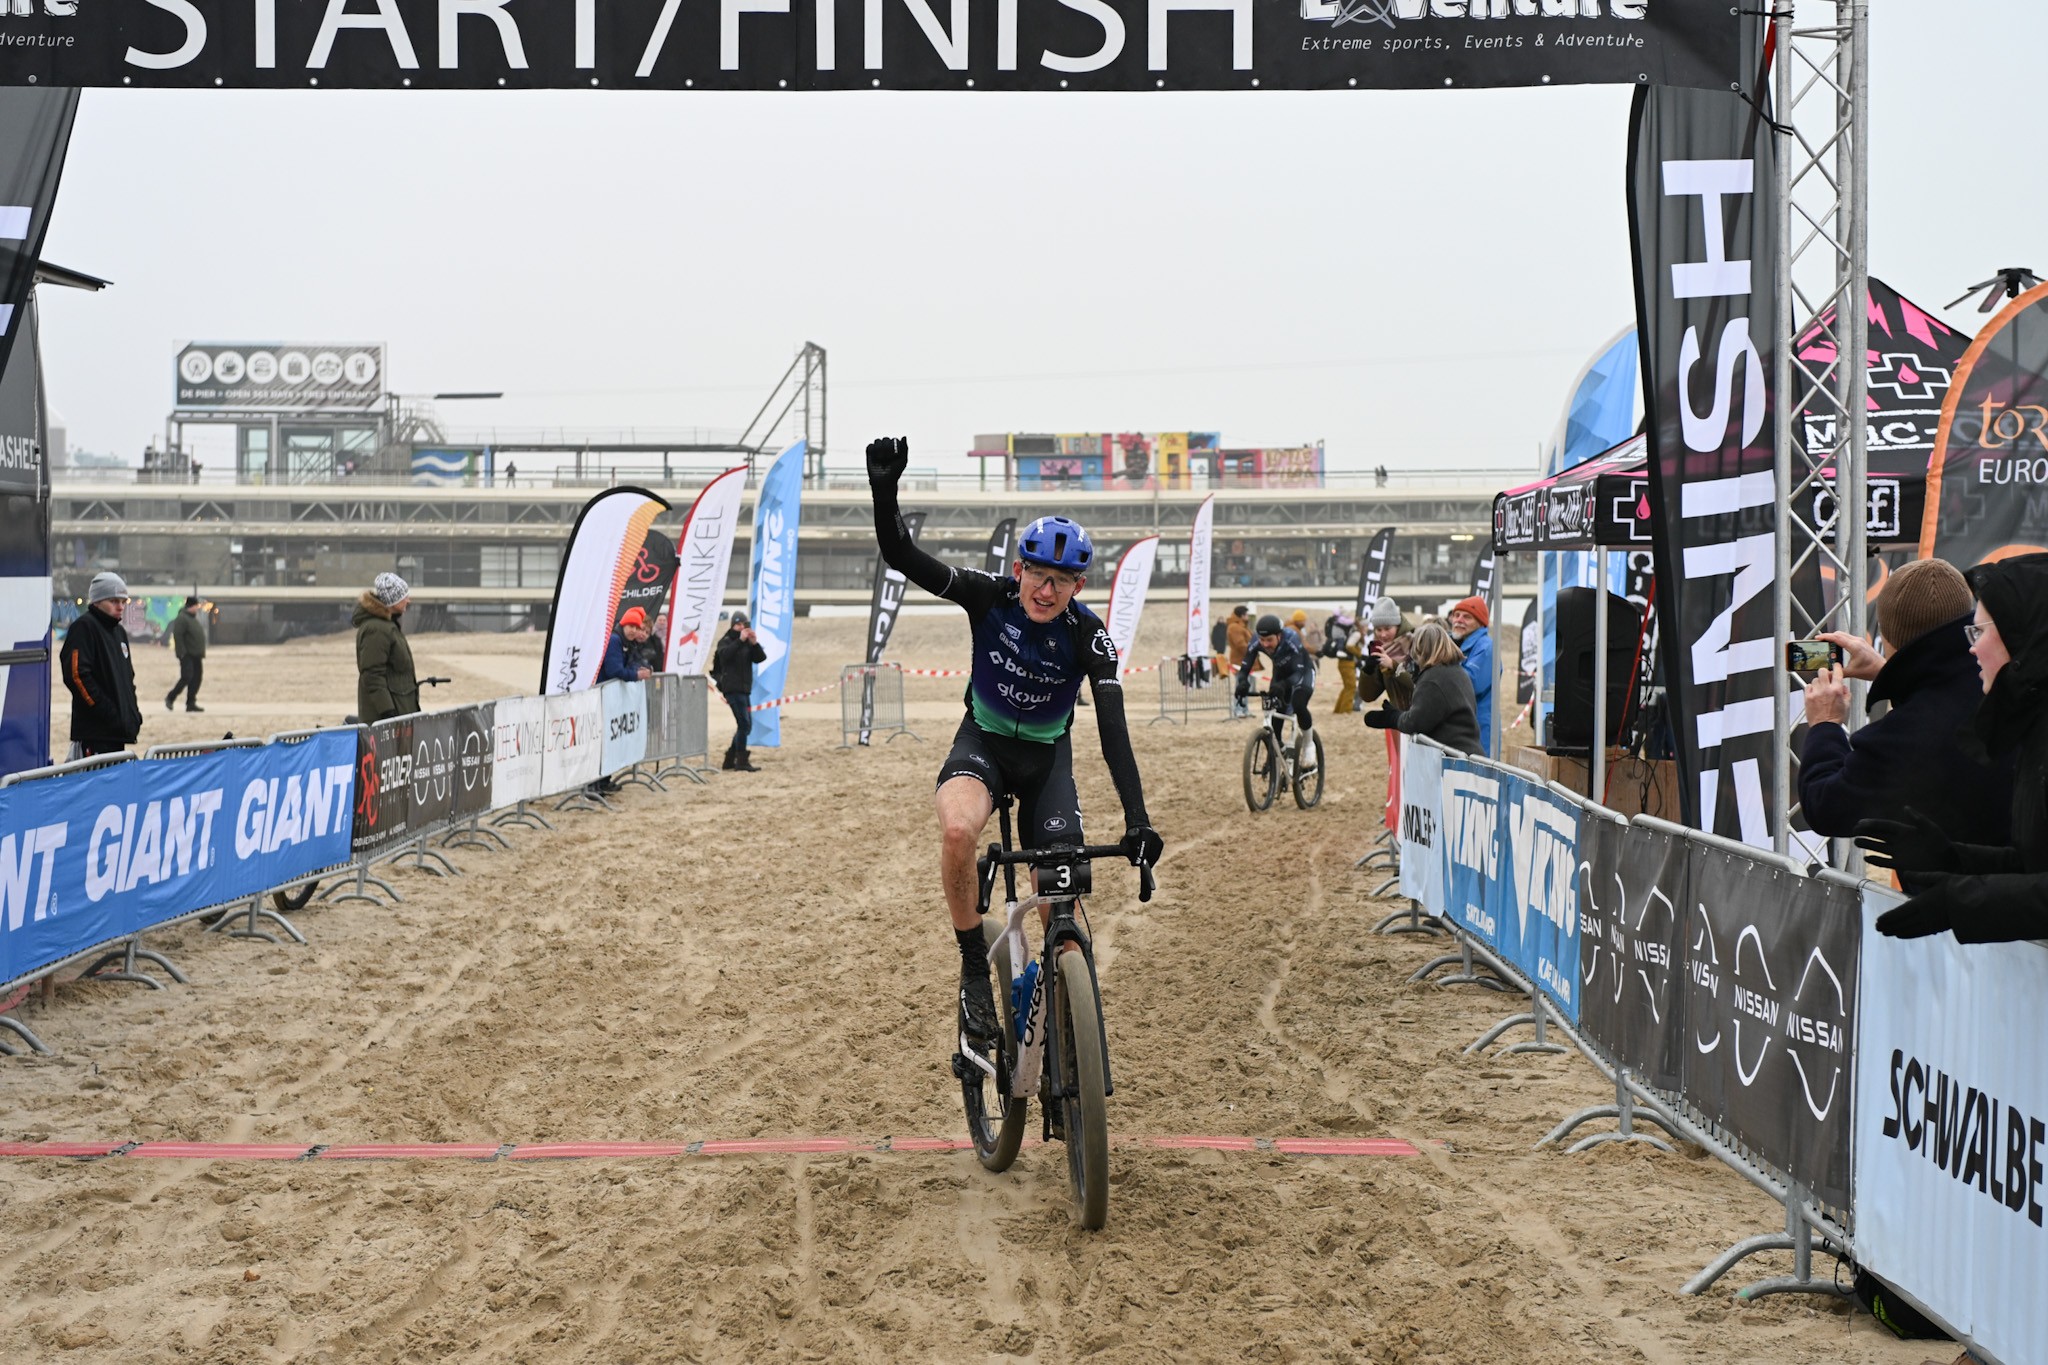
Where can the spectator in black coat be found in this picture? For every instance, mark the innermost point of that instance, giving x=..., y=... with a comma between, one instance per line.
x=1444, y=707
x=1915, y=755
x=732, y=672
x=99, y=674
x=1986, y=894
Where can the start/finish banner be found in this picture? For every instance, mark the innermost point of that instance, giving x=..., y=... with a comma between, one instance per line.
x=861, y=44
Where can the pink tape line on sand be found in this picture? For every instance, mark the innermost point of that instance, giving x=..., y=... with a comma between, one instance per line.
x=602, y=1151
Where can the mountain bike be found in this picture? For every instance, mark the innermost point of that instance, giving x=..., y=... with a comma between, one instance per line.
x=1269, y=763
x=1053, y=1043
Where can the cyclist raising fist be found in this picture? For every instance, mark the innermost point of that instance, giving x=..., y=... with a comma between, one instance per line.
x=1294, y=682
x=1033, y=645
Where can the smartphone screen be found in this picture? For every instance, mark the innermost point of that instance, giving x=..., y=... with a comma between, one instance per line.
x=1811, y=656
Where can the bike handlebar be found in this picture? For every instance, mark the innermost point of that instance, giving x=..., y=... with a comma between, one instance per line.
x=1080, y=853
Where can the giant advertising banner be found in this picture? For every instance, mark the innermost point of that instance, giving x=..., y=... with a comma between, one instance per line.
x=847, y=44
x=100, y=855
x=1952, y=1131
x=771, y=585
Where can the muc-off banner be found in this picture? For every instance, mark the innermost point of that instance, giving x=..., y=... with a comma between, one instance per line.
x=1632, y=915
x=882, y=612
x=101, y=855
x=1770, y=1006
x=1421, y=822
x=433, y=771
x=771, y=585
x=1002, y=543
x=473, y=760
x=1372, y=573
x=35, y=130
x=1127, y=589
x=850, y=44
x=1704, y=220
x=1952, y=1131
x=383, y=792
x=1539, y=900
x=604, y=547
x=704, y=560
x=1987, y=485
x=647, y=584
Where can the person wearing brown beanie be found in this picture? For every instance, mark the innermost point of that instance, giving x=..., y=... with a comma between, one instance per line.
x=1916, y=754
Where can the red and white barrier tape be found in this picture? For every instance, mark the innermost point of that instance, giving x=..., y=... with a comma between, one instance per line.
x=794, y=696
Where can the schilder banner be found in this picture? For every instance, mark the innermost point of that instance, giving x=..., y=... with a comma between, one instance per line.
x=857, y=44
x=35, y=130
x=1987, y=485
x=1704, y=220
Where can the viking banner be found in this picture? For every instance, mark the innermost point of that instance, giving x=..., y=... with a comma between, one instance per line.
x=704, y=559
x=1987, y=485
x=1703, y=218
x=604, y=547
x=654, y=569
x=848, y=44
x=1633, y=899
x=1372, y=573
x=1475, y=878
x=1127, y=595
x=882, y=612
x=1538, y=927
x=1002, y=543
x=771, y=585
x=1770, y=1009
x=35, y=130
x=1200, y=545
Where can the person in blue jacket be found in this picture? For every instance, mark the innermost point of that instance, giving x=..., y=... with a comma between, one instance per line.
x=1470, y=624
x=621, y=652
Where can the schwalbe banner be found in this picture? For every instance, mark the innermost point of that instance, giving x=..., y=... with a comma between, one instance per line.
x=848, y=44
x=1704, y=219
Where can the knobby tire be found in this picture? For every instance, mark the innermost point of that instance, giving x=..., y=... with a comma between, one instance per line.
x=1087, y=1117
x=1308, y=787
x=1261, y=769
x=995, y=1121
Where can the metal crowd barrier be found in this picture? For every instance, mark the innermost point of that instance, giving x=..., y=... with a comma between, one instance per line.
x=874, y=706
x=1181, y=697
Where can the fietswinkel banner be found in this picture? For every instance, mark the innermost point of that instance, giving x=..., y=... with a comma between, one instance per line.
x=383, y=800
x=1952, y=1130
x=1127, y=589
x=574, y=737
x=433, y=770
x=1422, y=824
x=1770, y=1004
x=1201, y=541
x=99, y=855
x=625, y=725
x=703, y=560
x=519, y=727
x=1475, y=845
x=1539, y=905
x=1632, y=914
x=771, y=585
x=473, y=760
x=845, y=44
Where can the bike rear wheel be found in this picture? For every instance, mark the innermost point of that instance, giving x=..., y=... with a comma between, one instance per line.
x=1308, y=786
x=1086, y=1113
x=995, y=1118
x=1261, y=769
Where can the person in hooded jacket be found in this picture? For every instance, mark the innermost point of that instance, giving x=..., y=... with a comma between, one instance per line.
x=1915, y=754
x=99, y=673
x=1984, y=893
x=386, y=685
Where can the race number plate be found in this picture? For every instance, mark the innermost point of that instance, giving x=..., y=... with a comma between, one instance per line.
x=1064, y=879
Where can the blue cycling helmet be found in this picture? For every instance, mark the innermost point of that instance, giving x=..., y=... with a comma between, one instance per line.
x=1056, y=543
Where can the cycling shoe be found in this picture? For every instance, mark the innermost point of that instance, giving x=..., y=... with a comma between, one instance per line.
x=978, y=1018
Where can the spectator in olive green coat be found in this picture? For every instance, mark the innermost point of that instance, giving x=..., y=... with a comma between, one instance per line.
x=385, y=683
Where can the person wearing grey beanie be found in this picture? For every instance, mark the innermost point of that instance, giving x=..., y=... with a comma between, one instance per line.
x=1384, y=671
x=99, y=673
x=386, y=684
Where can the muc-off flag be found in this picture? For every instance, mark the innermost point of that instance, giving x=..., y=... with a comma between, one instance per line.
x=604, y=548
x=882, y=613
x=1201, y=541
x=771, y=585
x=1987, y=485
x=1372, y=573
x=1127, y=595
x=35, y=130
x=704, y=559
x=1002, y=543
x=1703, y=217
x=848, y=44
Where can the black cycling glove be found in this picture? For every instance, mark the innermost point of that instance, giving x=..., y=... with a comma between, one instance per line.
x=1142, y=845
x=888, y=457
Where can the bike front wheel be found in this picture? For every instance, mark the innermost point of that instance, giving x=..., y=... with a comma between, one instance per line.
x=1261, y=770
x=1085, y=1110
x=995, y=1118
x=1308, y=786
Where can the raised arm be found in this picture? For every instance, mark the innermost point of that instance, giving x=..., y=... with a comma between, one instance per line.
x=888, y=457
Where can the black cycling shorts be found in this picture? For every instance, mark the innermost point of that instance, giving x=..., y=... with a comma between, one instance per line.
x=1040, y=776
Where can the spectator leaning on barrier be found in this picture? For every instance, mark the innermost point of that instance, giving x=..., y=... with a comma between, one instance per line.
x=622, y=659
x=1443, y=706
x=1917, y=754
x=99, y=673
x=1384, y=671
x=1987, y=894
x=1471, y=626
x=188, y=642
x=732, y=670
x=386, y=685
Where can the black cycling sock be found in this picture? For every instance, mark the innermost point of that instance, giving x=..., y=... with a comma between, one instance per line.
x=973, y=950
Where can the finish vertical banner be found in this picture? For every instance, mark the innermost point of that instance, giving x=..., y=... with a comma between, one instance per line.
x=1127, y=595
x=604, y=548
x=1201, y=544
x=703, y=562
x=35, y=131
x=771, y=585
x=1002, y=544
x=882, y=612
x=1704, y=220
x=1372, y=573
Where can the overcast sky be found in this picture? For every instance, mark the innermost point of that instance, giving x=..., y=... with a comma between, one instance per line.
x=1413, y=277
